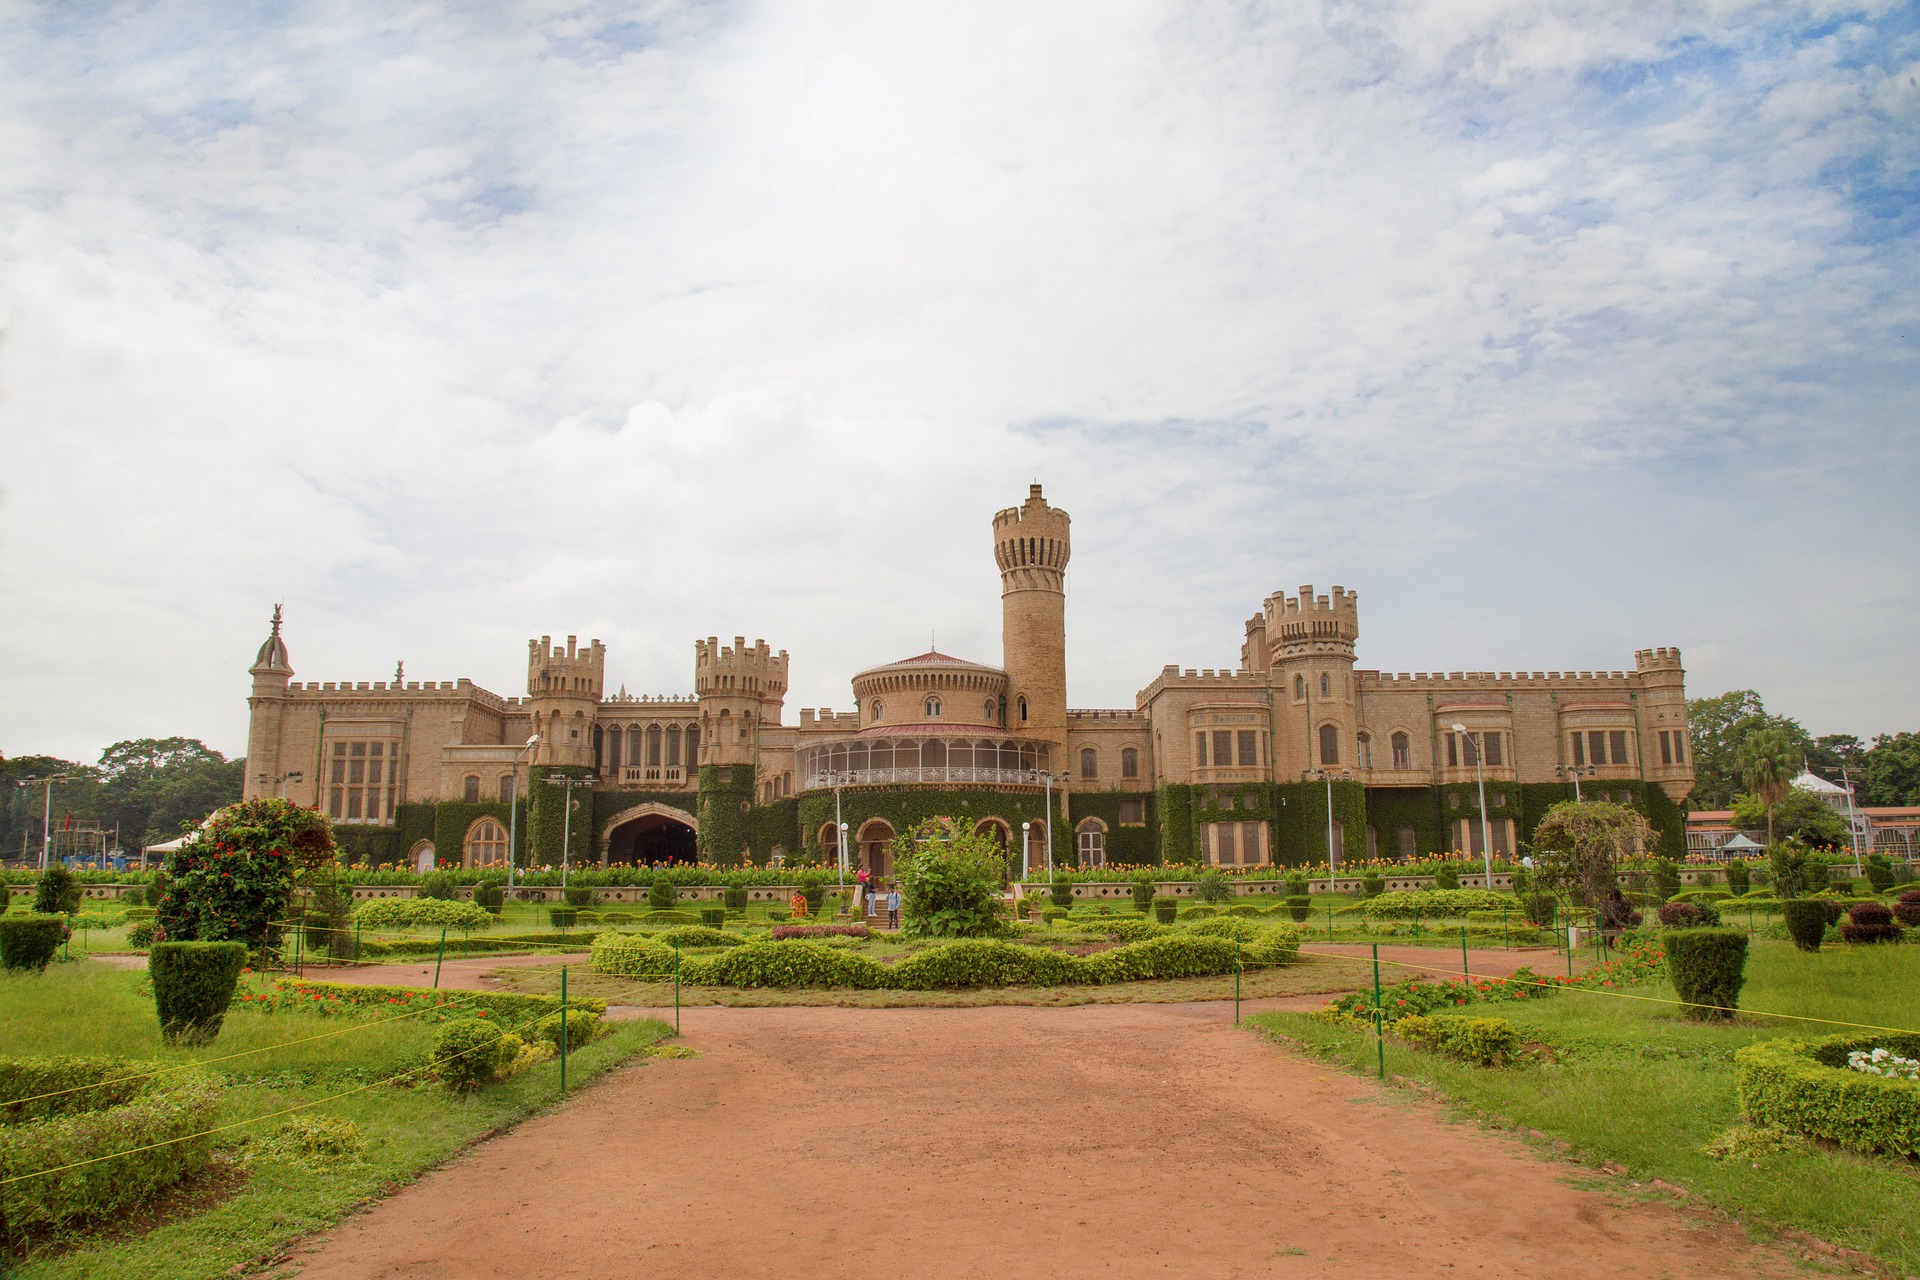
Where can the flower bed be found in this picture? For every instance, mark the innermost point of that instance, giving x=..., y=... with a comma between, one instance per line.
x=432, y=1006
x=1806, y=1086
x=70, y=1133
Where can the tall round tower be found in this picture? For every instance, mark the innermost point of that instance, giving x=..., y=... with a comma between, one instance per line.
x=271, y=672
x=563, y=688
x=1031, y=544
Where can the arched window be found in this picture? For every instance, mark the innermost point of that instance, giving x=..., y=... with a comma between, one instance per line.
x=874, y=713
x=933, y=708
x=989, y=719
x=1299, y=688
x=1129, y=763
x=1023, y=708
x=486, y=844
x=506, y=789
x=472, y=792
x=1090, y=840
x=1329, y=744
x=1363, y=753
x=830, y=841
x=1089, y=763
x=613, y=750
x=1326, y=686
x=693, y=746
x=1402, y=751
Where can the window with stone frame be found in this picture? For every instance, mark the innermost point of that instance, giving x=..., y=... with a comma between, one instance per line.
x=1200, y=750
x=506, y=789
x=1090, y=840
x=486, y=844
x=1363, y=753
x=1617, y=740
x=1249, y=743
x=1129, y=762
x=1493, y=748
x=471, y=794
x=1409, y=844
x=1133, y=812
x=1329, y=744
x=1089, y=763
x=1222, y=748
x=1402, y=751
x=1326, y=686
x=362, y=780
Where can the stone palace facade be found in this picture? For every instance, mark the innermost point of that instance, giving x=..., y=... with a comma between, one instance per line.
x=1296, y=753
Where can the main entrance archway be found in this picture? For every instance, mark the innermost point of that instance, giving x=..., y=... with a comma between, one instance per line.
x=873, y=838
x=649, y=835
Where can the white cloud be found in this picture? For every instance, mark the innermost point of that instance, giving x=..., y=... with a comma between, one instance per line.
x=457, y=329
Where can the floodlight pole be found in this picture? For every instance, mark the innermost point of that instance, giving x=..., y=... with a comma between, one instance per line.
x=566, y=819
x=46, y=812
x=1480, y=772
x=1047, y=776
x=513, y=806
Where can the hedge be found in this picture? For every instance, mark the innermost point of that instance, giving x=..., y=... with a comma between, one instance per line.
x=1806, y=1086
x=1406, y=904
x=512, y=1009
x=27, y=942
x=471, y=1052
x=74, y=1132
x=1488, y=1042
x=422, y=912
x=193, y=983
x=1806, y=922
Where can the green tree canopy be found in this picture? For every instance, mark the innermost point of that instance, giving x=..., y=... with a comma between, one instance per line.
x=1798, y=815
x=1720, y=728
x=1579, y=845
x=1767, y=766
x=950, y=881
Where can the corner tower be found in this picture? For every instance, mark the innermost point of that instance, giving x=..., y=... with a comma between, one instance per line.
x=739, y=688
x=1031, y=544
x=1310, y=641
x=271, y=670
x=563, y=690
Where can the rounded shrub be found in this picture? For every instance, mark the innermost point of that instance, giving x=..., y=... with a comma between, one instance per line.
x=140, y=937
x=422, y=912
x=701, y=935
x=1299, y=906
x=489, y=895
x=193, y=983
x=583, y=1027
x=437, y=884
x=1373, y=884
x=1708, y=966
x=1666, y=879
x=6, y=897
x=1906, y=908
x=156, y=889
x=1806, y=920
x=662, y=894
x=563, y=917
x=1806, y=1086
x=472, y=1052
x=27, y=942
x=1446, y=876
x=1689, y=915
x=1871, y=922
x=734, y=896
x=1061, y=892
x=1737, y=879
x=1879, y=873
x=578, y=895
x=1164, y=909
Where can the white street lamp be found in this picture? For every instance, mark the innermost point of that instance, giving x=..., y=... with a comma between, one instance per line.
x=1479, y=769
x=1026, y=850
x=1574, y=771
x=513, y=807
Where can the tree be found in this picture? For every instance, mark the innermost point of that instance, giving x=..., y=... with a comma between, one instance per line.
x=1798, y=815
x=1890, y=770
x=1766, y=764
x=1720, y=728
x=949, y=881
x=153, y=787
x=1579, y=845
x=234, y=880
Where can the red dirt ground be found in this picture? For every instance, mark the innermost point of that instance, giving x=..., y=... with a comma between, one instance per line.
x=1108, y=1140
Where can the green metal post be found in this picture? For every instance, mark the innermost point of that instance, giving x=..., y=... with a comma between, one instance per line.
x=1416, y=922
x=1466, y=970
x=299, y=945
x=1236, y=982
x=676, y=988
x=563, y=1028
x=356, y=942
x=1329, y=915
x=442, y=956
x=1379, y=1016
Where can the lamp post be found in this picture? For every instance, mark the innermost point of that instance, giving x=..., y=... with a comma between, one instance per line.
x=280, y=781
x=1047, y=777
x=1573, y=771
x=1480, y=772
x=1026, y=850
x=839, y=832
x=566, y=819
x=513, y=808
x=46, y=811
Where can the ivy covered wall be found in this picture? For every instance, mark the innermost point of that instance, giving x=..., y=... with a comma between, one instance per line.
x=547, y=817
x=1133, y=845
x=901, y=809
x=1173, y=801
x=1391, y=808
x=726, y=800
x=1300, y=827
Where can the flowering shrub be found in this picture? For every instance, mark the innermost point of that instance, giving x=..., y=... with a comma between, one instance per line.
x=232, y=879
x=1422, y=996
x=783, y=931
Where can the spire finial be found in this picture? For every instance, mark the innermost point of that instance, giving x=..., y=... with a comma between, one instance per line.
x=276, y=618
x=399, y=670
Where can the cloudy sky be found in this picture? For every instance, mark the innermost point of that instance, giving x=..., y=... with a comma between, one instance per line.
x=1553, y=329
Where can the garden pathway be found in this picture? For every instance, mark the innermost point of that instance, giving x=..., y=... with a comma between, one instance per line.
x=1018, y=1142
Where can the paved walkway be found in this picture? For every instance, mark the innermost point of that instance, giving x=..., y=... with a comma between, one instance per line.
x=1100, y=1140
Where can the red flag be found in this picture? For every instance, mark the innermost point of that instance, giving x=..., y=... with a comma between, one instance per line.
x=68, y=824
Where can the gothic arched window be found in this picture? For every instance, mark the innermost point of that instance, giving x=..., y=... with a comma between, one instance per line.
x=1089, y=763
x=1129, y=763
x=933, y=708
x=1329, y=744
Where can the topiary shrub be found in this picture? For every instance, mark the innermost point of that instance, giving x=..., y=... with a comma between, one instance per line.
x=193, y=983
x=1738, y=881
x=1815, y=873
x=136, y=915
x=437, y=884
x=422, y=913
x=1143, y=888
x=662, y=894
x=1666, y=879
x=1871, y=922
x=6, y=897
x=1487, y=1042
x=713, y=917
x=471, y=1052
x=583, y=1027
x=1296, y=884
x=58, y=893
x=816, y=896
x=1299, y=905
x=1879, y=873
x=1164, y=909
x=1708, y=967
x=490, y=895
x=700, y=935
x=578, y=895
x=1060, y=893
x=1906, y=908
x=1446, y=876
x=1806, y=1086
x=140, y=937
x=735, y=897
x=1373, y=884
x=27, y=942
x=1806, y=921
x=563, y=917
x=1690, y=915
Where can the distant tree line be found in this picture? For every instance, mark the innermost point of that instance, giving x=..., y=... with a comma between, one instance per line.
x=148, y=786
x=1729, y=730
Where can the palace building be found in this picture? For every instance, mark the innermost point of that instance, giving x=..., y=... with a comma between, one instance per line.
x=1296, y=755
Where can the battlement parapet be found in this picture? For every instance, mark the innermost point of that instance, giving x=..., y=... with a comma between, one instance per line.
x=1094, y=715
x=395, y=689
x=1310, y=617
x=1456, y=681
x=623, y=698
x=738, y=668
x=1173, y=677
x=1657, y=659
x=812, y=719
x=553, y=672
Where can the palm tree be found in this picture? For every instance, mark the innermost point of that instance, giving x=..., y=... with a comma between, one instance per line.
x=1767, y=767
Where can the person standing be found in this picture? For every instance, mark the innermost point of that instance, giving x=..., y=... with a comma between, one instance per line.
x=893, y=907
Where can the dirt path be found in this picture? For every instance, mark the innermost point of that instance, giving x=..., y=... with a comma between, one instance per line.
x=1108, y=1140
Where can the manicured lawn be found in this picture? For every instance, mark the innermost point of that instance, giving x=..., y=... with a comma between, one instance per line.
x=247, y=1208
x=1636, y=1085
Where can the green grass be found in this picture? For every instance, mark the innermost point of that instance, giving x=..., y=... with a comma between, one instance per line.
x=1639, y=1086
x=87, y=1008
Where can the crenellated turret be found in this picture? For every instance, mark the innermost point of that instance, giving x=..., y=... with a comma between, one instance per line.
x=563, y=692
x=740, y=689
x=1032, y=544
x=271, y=671
x=1310, y=641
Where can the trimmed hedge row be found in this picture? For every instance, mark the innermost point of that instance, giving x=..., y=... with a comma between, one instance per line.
x=72, y=1138
x=432, y=912
x=1404, y=904
x=1487, y=1042
x=511, y=1008
x=1805, y=1086
x=977, y=962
